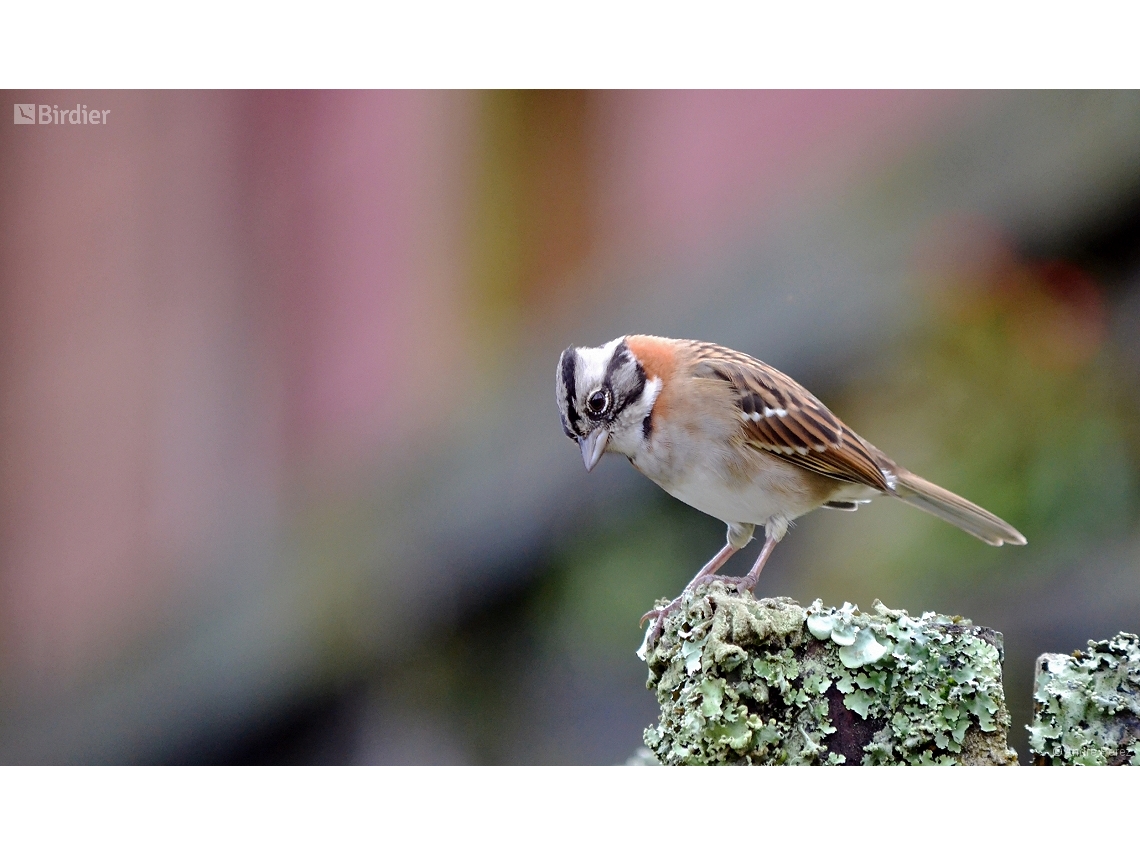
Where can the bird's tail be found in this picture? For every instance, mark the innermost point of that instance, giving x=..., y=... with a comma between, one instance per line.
x=920, y=493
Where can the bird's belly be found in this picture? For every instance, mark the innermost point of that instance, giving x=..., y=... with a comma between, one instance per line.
x=766, y=495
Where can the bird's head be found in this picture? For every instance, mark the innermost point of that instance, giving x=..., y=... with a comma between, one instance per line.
x=605, y=399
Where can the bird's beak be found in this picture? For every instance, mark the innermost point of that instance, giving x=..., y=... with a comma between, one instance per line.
x=592, y=447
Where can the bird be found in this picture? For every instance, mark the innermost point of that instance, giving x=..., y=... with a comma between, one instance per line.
x=738, y=440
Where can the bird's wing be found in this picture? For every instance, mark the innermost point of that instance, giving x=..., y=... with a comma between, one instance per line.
x=781, y=417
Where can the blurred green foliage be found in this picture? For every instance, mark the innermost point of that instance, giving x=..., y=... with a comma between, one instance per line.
x=1010, y=397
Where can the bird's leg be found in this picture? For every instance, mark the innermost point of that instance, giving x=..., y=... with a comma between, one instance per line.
x=749, y=582
x=703, y=575
x=715, y=563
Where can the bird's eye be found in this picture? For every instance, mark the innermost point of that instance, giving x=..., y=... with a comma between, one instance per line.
x=598, y=402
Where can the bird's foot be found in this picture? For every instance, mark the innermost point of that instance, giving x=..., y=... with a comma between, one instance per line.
x=744, y=584
x=658, y=617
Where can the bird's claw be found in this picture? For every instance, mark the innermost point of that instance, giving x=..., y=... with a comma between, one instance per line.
x=745, y=584
x=655, y=632
x=658, y=616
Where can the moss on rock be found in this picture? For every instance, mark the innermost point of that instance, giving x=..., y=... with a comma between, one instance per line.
x=745, y=681
x=1086, y=707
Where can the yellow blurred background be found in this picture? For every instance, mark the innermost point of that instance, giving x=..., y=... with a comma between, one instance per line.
x=281, y=472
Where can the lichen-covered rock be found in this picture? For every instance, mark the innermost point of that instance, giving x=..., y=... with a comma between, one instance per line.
x=1086, y=707
x=746, y=681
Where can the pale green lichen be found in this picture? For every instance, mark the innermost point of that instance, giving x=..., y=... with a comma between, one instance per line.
x=1086, y=709
x=768, y=682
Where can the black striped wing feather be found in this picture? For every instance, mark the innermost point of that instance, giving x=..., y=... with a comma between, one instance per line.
x=783, y=418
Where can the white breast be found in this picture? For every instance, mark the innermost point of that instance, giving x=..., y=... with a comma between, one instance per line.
x=711, y=484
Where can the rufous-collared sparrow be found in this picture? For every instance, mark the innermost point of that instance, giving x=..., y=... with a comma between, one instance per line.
x=737, y=439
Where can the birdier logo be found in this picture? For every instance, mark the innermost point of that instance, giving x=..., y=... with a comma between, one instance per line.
x=51, y=114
